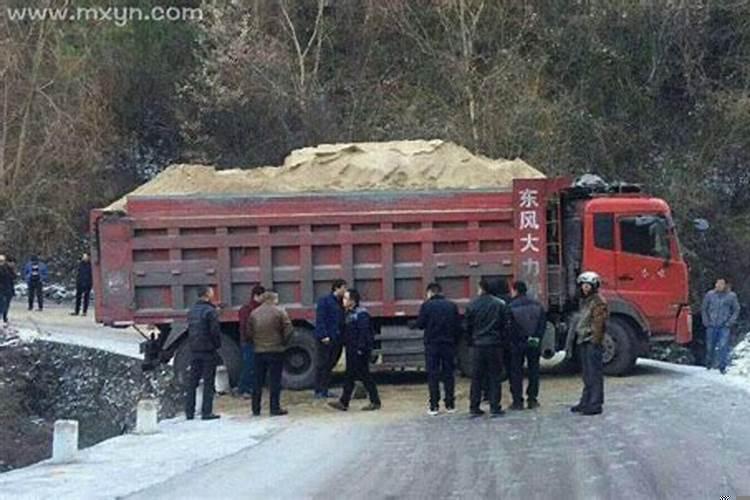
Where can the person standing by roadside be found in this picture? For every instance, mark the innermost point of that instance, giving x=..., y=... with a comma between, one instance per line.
x=269, y=330
x=486, y=319
x=441, y=322
x=590, y=332
x=84, y=282
x=7, y=287
x=35, y=274
x=204, y=340
x=528, y=323
x=329, y=322
x=358, y=341
x=719, y=311
x=247, y=375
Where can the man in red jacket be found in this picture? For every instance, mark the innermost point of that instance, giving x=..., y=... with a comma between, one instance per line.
x=245, y=388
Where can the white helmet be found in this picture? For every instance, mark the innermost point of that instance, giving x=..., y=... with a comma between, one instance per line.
x=591, y=278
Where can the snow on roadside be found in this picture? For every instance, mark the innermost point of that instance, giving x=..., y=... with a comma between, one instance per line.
x=740, y=364
x=10, y=336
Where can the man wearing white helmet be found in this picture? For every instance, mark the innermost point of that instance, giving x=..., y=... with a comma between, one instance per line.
x=589, y=337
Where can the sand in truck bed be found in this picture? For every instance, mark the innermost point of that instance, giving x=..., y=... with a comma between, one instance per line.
x=363, y=166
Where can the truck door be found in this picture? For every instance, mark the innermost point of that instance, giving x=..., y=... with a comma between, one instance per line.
x=649, y=267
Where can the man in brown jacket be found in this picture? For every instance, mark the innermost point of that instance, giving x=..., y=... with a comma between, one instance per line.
x=269, y=330
x=589, y=337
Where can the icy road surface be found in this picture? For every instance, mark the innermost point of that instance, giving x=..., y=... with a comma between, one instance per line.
x=676, y=434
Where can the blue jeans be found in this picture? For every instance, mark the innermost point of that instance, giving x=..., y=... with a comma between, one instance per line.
x=247, y=375
x=717, y=338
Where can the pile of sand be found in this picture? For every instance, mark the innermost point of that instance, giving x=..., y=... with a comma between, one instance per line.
x=362, y=166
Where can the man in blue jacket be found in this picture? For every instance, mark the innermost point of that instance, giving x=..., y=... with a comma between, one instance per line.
x=329, y=322
x=719, y=312
x=441, y=322
x=527, y=329
x=35, y=274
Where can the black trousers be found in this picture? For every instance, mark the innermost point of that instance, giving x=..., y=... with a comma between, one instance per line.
x=83, y=294
x=328, y=357
x=271, y=363
x=440, y=360
x=519, y=354
x=202, y=366
x=358, y=368
x=487, y=364
x=35, y=290
x=592, y=397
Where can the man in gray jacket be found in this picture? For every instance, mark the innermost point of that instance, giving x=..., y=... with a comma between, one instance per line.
x=720, y=311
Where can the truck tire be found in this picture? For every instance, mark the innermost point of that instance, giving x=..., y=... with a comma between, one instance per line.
x=620, y=353
x=300, y=361
x=230, y=355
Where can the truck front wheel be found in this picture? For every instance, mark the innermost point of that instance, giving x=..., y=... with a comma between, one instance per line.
x=300, y=361
x=619, y=347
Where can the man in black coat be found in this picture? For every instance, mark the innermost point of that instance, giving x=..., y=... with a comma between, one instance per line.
x=528, y=325
x=204, y=340
x=441, y=322
x=7, y=287
x=84, y=282
x=486, y=320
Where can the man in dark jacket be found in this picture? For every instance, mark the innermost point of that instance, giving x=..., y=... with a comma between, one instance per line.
x=719, y=312
x=35, y=274
x=527, y=329
x=269, y=330
x=7, y=287
x=247, y=375
x=486, y=320
x=590, y=331
x=204, y=340
x=329, y=322
x=441, y=322
x=84, y=282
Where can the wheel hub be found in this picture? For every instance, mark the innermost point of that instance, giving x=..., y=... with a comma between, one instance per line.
x=610, y=348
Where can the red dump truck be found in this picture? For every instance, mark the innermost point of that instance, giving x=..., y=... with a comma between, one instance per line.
x=150, y=258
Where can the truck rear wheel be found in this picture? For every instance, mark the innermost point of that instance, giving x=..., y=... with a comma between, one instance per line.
x=620, y=352
x=230, y=355
x=300, y=361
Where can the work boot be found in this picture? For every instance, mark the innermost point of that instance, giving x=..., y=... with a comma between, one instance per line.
x=338, y=405
x=371, y=407
x=477, y=412
x=532, y=404
x=576, y=409
x=497, y=414
x=591, y=411
x=74, y=314
x=279, y=413
x=517, y=405
x=210, y=417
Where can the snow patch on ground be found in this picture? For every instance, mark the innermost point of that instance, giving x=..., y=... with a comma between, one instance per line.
x=740, y=365
x=130, y=463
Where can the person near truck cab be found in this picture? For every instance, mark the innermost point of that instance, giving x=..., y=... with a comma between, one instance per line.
x=84, y=282
x=486, y=319
x=7, y=287
x=329, y=322
x=528, y=323
x=358, y=341
x=247, y=375
x=35, y=274
x=441, y=322
x=590, y=332
x=719, y=312
x=204, y=341
x=269, y=329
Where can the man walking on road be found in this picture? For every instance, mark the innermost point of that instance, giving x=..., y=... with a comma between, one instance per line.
x=486, y=320
x=204, y=340
x=7, y=287
x=269, y=330
x=719, y=312
x=441, y=322
x=84, y=282
x=329, y=322
x=35, y=274
x=528, y=324
x=590, y=332
x=247, y=375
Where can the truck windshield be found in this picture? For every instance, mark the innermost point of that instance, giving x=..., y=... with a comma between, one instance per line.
x=646, y=235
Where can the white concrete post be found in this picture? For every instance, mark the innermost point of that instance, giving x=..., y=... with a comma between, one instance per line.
x=146, y=420
x=65, y=441
x=222, y=380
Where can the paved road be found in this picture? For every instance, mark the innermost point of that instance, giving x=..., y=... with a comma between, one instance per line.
x=664, y=435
